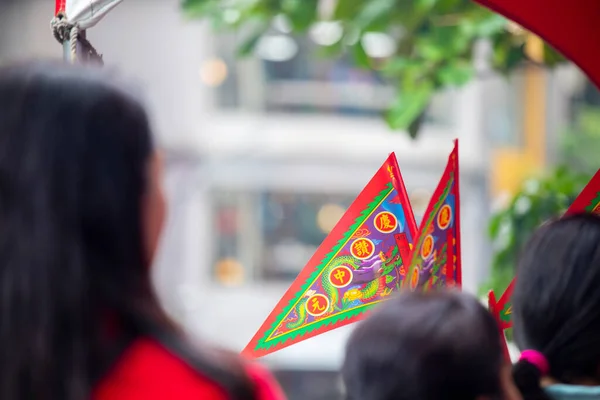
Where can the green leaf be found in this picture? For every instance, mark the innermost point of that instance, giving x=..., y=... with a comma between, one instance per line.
x=360, y=55
x=455, y=6
x=246, y=48
x=374, y=14
x=489, y=25
x=302, y=13
x=410, y=105
x=415, y=126
x=397, y=66
x=201, y=8
x=196, y=6
x=507, y=54
x=430, y=50
x=347, y=9
x=424, y=5
x=455, y=73
x=551, y=56
x=494, y=225
x=442, y=43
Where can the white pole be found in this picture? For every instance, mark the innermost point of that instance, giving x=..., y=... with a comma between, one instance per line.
x=66, y=51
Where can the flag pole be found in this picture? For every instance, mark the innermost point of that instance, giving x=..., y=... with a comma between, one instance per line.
x=66, y=51
x=76, y=47
x=59, y=14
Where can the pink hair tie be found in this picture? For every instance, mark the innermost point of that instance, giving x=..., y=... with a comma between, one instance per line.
x=537, y=359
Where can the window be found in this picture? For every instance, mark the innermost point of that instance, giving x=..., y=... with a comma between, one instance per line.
x=228, y=265
x=503, y=115
x=270, y=235
x=293, y=226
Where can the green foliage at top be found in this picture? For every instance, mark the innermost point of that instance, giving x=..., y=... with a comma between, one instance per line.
x=434, y=39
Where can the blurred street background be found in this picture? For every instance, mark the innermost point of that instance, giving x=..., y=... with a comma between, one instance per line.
x=265, y=153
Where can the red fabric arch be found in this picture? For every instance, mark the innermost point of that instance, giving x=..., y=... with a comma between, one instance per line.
x=570, y=26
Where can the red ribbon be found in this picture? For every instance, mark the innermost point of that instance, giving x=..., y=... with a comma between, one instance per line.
x=61, y=5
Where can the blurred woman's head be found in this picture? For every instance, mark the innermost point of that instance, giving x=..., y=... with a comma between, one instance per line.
x=81, y=209
x=427, y=346
x=556, y=303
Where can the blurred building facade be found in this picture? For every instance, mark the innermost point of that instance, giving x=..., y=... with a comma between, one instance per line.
x=265, y=154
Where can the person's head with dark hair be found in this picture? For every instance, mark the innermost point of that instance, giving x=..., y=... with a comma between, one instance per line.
x=556, y=309
x=427, y=346
x=81, y=210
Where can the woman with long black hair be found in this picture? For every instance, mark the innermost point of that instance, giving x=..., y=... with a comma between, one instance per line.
x=556, y=311
x=81, y=210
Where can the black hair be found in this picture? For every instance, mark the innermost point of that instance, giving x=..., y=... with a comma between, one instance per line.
x=74, y=151
x=425, y=346
x=556, y=303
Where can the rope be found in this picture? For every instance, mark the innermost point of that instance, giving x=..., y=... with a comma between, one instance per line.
x=65, y=31
x=74, y=35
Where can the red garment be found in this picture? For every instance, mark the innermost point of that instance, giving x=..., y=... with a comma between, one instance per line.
x=149, y=371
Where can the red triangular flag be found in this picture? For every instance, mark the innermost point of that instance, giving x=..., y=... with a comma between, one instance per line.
x=504, y=307
x=435, y=260
x=357, y=266
x=569, y=26
x=587, y=201
x=589, y=198
x=493, y=307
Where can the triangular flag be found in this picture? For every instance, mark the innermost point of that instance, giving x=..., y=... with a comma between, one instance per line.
x=493, y=308
x=587, y=201
x=589, y=198
x=359, y=264
x=504, y=307
x=435, y=260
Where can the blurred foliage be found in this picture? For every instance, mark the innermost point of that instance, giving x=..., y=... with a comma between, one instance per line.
x=435, y=40
x=545, y=197
x=538, y=200
x=582, y=143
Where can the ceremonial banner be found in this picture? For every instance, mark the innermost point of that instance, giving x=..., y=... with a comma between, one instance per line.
x=436, y=255
x=359, y=264
x=587, y=201
x=589, y=198
x=503, y=310
x=493, y=308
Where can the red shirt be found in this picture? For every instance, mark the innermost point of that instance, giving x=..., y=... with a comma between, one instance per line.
x=149, y=371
